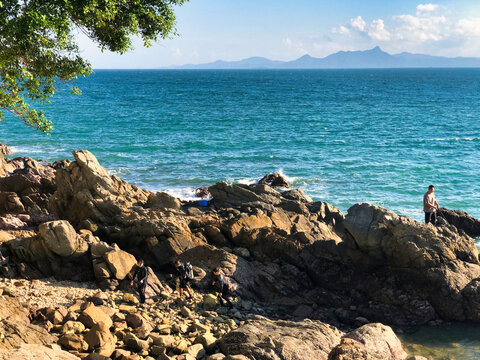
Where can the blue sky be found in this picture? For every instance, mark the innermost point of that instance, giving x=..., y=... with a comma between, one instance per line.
x=284, y=30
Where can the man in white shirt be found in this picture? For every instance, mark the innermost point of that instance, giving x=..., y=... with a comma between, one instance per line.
x=430, y=206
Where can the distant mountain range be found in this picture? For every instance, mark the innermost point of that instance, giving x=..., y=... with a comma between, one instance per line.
x=374, y=59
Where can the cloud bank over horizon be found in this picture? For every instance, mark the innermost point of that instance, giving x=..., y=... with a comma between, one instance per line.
x=232, y=32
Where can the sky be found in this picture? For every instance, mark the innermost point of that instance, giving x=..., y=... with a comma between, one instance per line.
x=212, y=30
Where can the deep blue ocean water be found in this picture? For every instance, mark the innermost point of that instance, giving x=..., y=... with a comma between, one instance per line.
x=343, y=136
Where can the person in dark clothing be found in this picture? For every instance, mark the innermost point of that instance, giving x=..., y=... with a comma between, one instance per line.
x=183, y=279
x=141, y=273
x=220, y=285
x=4, y=268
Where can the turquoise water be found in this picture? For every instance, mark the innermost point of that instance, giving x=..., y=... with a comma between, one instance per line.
x=343, y=136
x=451, y=341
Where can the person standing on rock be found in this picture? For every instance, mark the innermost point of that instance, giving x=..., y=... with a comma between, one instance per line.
x=220, y=285
x=141, y=273
x=184, y=277
x=430, y=206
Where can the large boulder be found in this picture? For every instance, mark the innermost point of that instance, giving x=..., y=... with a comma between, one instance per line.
x=100, y=340
x=120, y=263
x=380, y=341
x=60, y=238
x=400, y=241
x=275, y=180
x=93, y=315
x=462, y=221
x=435, y=263
x=274, y=340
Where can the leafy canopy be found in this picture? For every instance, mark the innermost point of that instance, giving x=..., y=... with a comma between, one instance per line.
x=38, y=47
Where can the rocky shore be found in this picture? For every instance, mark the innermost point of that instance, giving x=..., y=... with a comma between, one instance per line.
x=310, y=282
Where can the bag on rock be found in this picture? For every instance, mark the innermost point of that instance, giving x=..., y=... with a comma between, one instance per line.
x=189, y=271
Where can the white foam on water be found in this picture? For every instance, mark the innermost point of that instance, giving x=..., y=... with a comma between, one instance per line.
x=185, y=194
x=290, y=179
x=244, y=181
x=25, y=150
x=455, y=139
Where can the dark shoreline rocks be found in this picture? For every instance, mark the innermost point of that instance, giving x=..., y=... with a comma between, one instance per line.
x=305, y=257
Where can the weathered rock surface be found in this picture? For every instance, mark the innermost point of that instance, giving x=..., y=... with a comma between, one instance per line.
x=462, y=221
x=15, y=326
x=4, y=149
x=435, y=263
x=275, y=180
x=264, y=339
x=36, y=352
x=380, y=341
x=60, y=238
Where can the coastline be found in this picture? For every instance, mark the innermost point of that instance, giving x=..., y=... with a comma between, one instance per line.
x=306, y=259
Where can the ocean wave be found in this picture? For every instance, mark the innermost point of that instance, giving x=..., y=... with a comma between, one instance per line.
x=25, y=150
x=455, y=139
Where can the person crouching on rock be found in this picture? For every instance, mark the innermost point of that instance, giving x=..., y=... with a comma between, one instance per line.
x=221, y=287
x=141, y=273
x=185, y=275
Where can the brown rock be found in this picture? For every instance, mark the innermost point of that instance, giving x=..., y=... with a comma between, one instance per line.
x=120, y=263
x=283, y=340
x=60, y=237
x=101, y=340
x=380, y=341
x=92, y=315
x=72, y=341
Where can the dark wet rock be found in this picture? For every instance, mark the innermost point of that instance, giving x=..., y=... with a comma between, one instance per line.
x=462, y=221
x=275, y=180
x=202, y=192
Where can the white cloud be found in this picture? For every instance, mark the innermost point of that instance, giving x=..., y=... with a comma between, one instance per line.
x=377, y=31
x=358, y=23
x=429, y=28
x=426, y=8
x=469, y=27
x=421, y=28
x=287, y=42
x=342, y=30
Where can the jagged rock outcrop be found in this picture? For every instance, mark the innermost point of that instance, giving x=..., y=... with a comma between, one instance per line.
x=436, y=263
x=275, y=180
x=300, y=252
x=4, y=149
x=462, y=221
x=15, y=326
x=25, y=186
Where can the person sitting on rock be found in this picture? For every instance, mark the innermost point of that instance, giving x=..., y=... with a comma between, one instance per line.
x=430, y=206
x=185, y=275
x=220, y=285
x=141, y=273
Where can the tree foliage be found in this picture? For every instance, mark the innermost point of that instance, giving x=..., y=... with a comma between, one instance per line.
x=38, y=47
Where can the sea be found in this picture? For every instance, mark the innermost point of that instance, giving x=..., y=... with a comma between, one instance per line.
x=342, y=136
